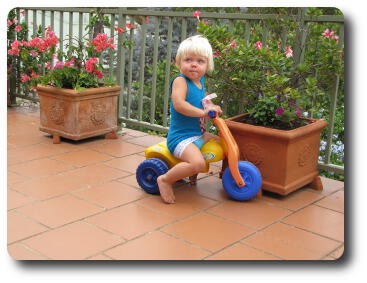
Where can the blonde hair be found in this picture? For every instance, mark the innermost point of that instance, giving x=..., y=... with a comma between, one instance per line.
x=197, y=45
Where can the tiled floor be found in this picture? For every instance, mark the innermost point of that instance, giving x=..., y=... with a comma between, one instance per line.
x=80, y=200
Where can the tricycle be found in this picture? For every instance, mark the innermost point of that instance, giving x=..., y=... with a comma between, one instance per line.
x=241, y=179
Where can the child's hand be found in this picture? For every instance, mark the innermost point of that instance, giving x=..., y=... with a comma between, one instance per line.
x=216, y=108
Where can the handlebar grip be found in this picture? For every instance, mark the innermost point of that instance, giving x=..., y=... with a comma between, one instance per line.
x=212, y=114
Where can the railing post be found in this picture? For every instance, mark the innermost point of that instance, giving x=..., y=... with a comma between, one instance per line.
x=333, y=103
x=120, y=72
x=299, y=47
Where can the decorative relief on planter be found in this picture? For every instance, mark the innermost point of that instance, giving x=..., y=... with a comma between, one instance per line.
x=98, y=114
x=56, y=112
x=304, y=155
x=253, y=153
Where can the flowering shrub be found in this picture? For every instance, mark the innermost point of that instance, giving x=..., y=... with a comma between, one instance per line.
x=77, y=67
x=262, y=76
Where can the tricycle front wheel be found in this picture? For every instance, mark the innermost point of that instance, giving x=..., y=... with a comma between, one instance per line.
x=252, y=177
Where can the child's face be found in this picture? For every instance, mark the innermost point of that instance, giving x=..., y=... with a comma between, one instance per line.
x=193, y=66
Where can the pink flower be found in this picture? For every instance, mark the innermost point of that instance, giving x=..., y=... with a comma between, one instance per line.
x=233, y=44
x=298, y=112
x=18, y=28
x=279, y=111
x=197, y=14
x=15, y=20
x=328, y=33
x=89, y=64
x=335, y=37
x=217, y=54
x=15, y=48
x=9, y=23
x=34, y=53
x=119, y=30
x=25, y=78
x=98, y=73
x=258, y=45
x=101, y=42
x=48, y=66
x=59, y=65
x=205, y=22
x=34, y=75
x=130, y=26
x=70, y=63
x=22, y=12
x=288, y=52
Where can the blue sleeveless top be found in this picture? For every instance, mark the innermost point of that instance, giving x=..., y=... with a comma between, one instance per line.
x=182, y=126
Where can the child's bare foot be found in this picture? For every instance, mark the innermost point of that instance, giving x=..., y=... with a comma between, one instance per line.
x=165, y=190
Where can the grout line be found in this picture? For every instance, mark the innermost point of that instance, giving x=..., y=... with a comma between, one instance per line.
x=25, y=246
x=312, y=232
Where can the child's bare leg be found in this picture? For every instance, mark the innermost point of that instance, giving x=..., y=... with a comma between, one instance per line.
x=192, y=163
x=208, y=136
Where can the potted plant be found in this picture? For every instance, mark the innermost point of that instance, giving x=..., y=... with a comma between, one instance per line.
x=76, y=100
x=270, y=127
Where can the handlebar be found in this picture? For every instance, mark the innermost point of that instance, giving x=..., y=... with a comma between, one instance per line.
x=212, y=114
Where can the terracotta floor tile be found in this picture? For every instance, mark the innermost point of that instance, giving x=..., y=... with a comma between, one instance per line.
x=130, y=180
x=20, y=227
x=156, y=246
x=207, y=231
x=319, y=220
x=82, y=157
x=338, y=253
x=47, y=187
x=75, y=241
x=40, y=168
x=130, y=220
x=22, y=252
x=14, y=178
x=334, y=201
x=211, y=187
x=59, y=211
x=329, y=186
x=147, y=141
x=25, y=139
x=95, y=174
x=252, y=213
x=16, y=199
x=32, y=152
x=241, y=252
x=134, y=133
x=291, y=243
x=119, y=149
x=44, y=181
x=128, y=163
x=99, y=257
x=110, y=194
x=293, y=201
x=187, y=202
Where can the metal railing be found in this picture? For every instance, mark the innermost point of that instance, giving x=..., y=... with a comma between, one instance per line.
x=140, y=74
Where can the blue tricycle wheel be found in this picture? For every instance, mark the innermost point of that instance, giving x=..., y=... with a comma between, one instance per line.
x=147, y=173
x=252, y=177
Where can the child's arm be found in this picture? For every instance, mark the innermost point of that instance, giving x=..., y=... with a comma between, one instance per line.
x=207, y=101
x=179, y=92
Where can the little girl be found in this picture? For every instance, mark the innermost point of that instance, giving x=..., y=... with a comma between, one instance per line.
x=186, y=135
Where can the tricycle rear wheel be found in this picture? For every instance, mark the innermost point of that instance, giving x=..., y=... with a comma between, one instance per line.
x=148, y=172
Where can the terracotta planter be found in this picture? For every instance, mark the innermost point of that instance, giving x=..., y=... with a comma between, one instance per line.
x=78, y=115
x=287, y=160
